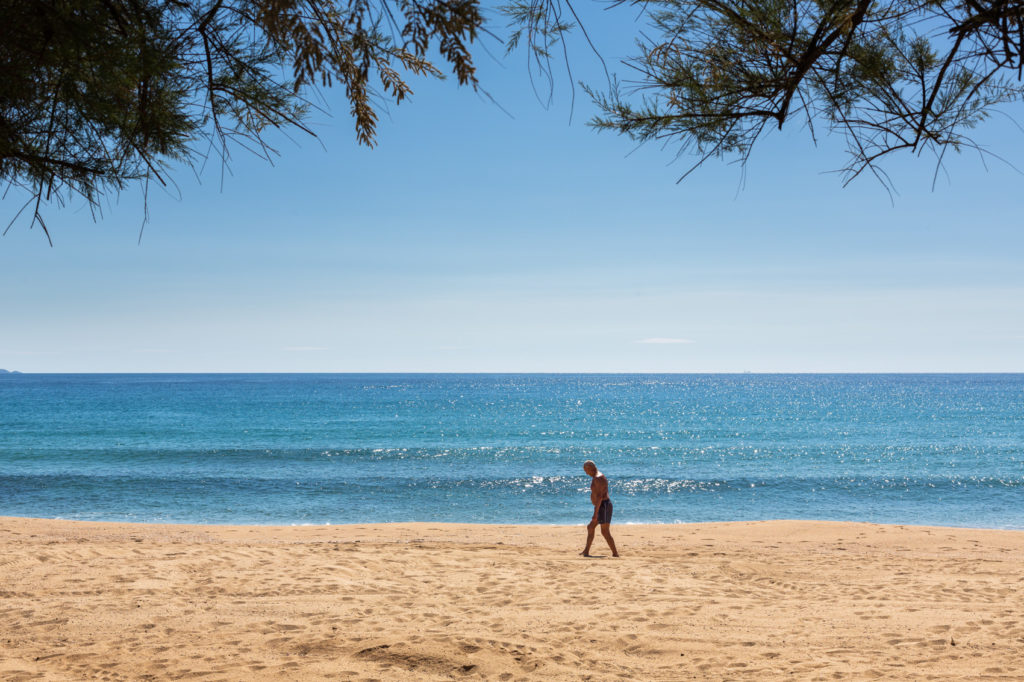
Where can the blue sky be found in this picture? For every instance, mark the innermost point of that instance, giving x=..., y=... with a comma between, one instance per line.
x=472, y=240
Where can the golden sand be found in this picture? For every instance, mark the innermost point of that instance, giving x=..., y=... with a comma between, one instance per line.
x=758, y=601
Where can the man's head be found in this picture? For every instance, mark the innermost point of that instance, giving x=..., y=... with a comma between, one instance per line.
x=590, y=468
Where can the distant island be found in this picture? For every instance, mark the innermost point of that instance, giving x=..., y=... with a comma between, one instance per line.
x=9, y=371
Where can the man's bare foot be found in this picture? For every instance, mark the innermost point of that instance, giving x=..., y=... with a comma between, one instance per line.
x=616, y=554
x=584, y=553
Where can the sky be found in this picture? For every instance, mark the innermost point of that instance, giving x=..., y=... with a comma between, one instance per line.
x=513, y=238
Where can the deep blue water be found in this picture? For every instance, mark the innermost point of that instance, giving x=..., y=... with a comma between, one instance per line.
x=346, y=448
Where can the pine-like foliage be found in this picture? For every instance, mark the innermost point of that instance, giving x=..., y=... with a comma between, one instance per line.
x=887, y=75
x=95, y=94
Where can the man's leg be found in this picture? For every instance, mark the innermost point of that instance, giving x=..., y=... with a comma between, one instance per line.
x=591, y=527
x=607, y=533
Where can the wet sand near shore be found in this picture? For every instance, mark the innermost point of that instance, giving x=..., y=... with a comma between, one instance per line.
x=428, y=601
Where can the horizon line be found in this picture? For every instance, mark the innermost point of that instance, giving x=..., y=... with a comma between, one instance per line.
x=536, y=373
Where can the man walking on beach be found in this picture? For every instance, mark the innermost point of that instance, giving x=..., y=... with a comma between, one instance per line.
x=602, y=508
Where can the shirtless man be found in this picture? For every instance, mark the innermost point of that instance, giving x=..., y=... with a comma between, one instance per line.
x=602, y=508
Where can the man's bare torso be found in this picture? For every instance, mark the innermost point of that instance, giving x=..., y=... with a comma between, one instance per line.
x=598, y=489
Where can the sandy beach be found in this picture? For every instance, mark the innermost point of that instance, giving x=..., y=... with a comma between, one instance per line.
x=765, y=600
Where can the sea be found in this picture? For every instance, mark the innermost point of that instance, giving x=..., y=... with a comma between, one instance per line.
x=295, y=449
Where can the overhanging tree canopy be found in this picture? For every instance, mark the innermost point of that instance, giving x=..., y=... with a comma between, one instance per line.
x=887, y=75
x=98, y=93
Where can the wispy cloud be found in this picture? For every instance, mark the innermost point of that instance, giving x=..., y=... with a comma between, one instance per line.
x=662, y=339
x=304, y=349
x=29, y=352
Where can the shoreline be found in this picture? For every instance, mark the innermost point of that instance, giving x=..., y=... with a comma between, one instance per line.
x=484, y=524
x=434, y=601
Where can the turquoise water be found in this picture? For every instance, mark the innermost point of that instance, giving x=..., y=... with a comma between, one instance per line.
x=345, y=448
